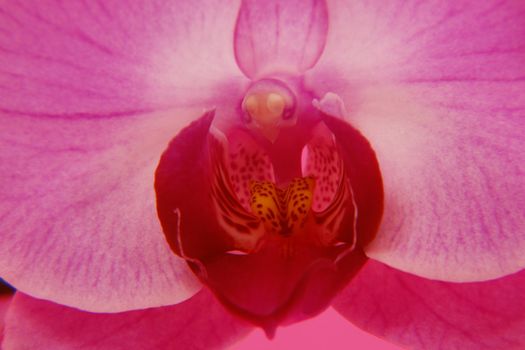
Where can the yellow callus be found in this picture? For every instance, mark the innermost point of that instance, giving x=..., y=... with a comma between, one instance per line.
x=283, y=211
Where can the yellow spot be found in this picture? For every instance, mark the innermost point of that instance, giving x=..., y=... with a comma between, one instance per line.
x=283, y=211
x=265, y=203
x=299, y=201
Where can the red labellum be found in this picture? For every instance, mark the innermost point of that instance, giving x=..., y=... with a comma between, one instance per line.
x=274, y=228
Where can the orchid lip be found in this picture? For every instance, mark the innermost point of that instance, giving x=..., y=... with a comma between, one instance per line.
x=252, y=208
x=210, y=214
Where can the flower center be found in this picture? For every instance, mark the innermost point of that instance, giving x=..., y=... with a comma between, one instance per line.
x=252, y=208
x=283, y=211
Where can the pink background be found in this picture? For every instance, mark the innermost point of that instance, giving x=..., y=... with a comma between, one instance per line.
x=327, y=331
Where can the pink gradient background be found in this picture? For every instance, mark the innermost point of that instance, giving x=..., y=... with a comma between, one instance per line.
x=327, y=331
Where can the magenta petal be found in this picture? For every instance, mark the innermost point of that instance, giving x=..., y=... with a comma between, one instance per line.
x=198, y=323
x=432, y=315
x=438, y=88
x=112, y=58
x=5, y=301
x=280, y=36
x=79, y=224
x=81, y=86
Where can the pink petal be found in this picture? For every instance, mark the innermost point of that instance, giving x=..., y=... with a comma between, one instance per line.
x=111, y=58
x=438, y=89
x=280, y=36
x=5, y=301
x=198, y=323
x=79, y=225
x=85, y=91
x=431, y=315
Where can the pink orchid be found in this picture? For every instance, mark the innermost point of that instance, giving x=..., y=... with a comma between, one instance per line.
x=293, y=154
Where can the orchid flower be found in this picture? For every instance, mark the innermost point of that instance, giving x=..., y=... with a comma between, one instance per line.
x=175, y=173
